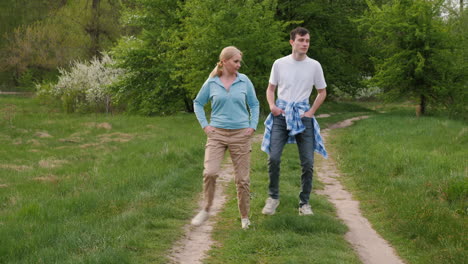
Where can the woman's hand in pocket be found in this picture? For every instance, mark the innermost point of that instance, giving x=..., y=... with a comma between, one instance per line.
x=249, y=131
x=209, y=129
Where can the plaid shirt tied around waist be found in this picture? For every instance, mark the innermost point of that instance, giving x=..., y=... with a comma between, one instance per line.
x=294, y=125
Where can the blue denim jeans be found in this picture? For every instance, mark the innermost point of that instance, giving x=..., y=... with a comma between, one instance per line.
x=305, y=145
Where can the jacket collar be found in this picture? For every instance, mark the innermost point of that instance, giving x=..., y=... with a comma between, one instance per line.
x=240, y=78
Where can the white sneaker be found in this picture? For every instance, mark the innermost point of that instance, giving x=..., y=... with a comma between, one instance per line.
x=305, y=210
x=200, y=218
x=245, y=223
x=270, y=206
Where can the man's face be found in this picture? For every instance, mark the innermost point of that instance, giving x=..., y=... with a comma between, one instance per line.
x=301, y=44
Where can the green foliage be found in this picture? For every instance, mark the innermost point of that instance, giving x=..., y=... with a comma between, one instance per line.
x=65, y=31
x=248, y=25
x=172, y=57
x=170, y=47
x=414, y=53
x=148, y=88
x=26, y=81
x=15, y=13
x=39, y=46
x=334, y=40
x=456, y=94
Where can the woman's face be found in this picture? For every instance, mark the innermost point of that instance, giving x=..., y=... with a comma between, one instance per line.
x=233, y=64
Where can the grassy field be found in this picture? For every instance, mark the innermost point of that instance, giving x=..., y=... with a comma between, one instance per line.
x=410, y=175
x=118, y=189
x=94, y=188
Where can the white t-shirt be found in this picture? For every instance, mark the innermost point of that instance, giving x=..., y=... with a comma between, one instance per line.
x=296, y=79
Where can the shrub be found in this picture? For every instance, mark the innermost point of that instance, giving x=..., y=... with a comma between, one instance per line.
x=84, y=88
x=367, y=92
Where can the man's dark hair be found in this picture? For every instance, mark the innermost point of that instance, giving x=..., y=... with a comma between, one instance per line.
x=298, y=31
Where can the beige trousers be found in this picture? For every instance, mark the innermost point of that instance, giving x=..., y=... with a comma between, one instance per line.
x=239, y=146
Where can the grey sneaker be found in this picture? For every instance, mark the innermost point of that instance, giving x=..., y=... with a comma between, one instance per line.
x=270, y=206
x=245, y=223
x=305, y=210
x=200, y=218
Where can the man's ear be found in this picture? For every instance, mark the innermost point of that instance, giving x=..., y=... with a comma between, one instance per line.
x=291, y=42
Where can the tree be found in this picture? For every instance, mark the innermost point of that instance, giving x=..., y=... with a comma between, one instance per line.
x=249, y=25
x=64, y=31
x=16, y=13
x=335, y=40
x=101, y=24
x=180, y=43
x=148, y=88
x=39, y=48
x=414, y=49
x=457, y=93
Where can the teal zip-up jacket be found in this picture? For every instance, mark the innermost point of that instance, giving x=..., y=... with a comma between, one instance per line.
x=228, y=108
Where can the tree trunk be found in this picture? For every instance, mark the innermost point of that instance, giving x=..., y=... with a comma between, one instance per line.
x=94, y=29
x=461, y=7
x=422, y=104
x=188, y=105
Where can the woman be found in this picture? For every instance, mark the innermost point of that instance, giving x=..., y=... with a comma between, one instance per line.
x=231, y=126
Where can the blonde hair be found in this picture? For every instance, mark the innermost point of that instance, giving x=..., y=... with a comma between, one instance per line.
x=226, y=54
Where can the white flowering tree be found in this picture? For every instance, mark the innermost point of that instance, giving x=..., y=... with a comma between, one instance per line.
x=85, y=87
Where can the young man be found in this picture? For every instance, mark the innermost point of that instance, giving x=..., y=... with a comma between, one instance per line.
x=292, y=119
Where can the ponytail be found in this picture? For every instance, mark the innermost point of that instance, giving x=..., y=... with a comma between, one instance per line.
x=218, y=70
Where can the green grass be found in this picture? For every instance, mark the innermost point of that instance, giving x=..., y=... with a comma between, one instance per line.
x=93, y=195
x=285, y=237
x=410, y=175
x=87, y=194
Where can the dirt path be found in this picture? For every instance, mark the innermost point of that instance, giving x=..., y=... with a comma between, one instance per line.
x=370, y=246
x=17, y=93
x=192, y=248
x=196, y=242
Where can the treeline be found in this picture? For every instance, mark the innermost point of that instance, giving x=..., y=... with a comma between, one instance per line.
x=39, y=36
x=165, y=49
